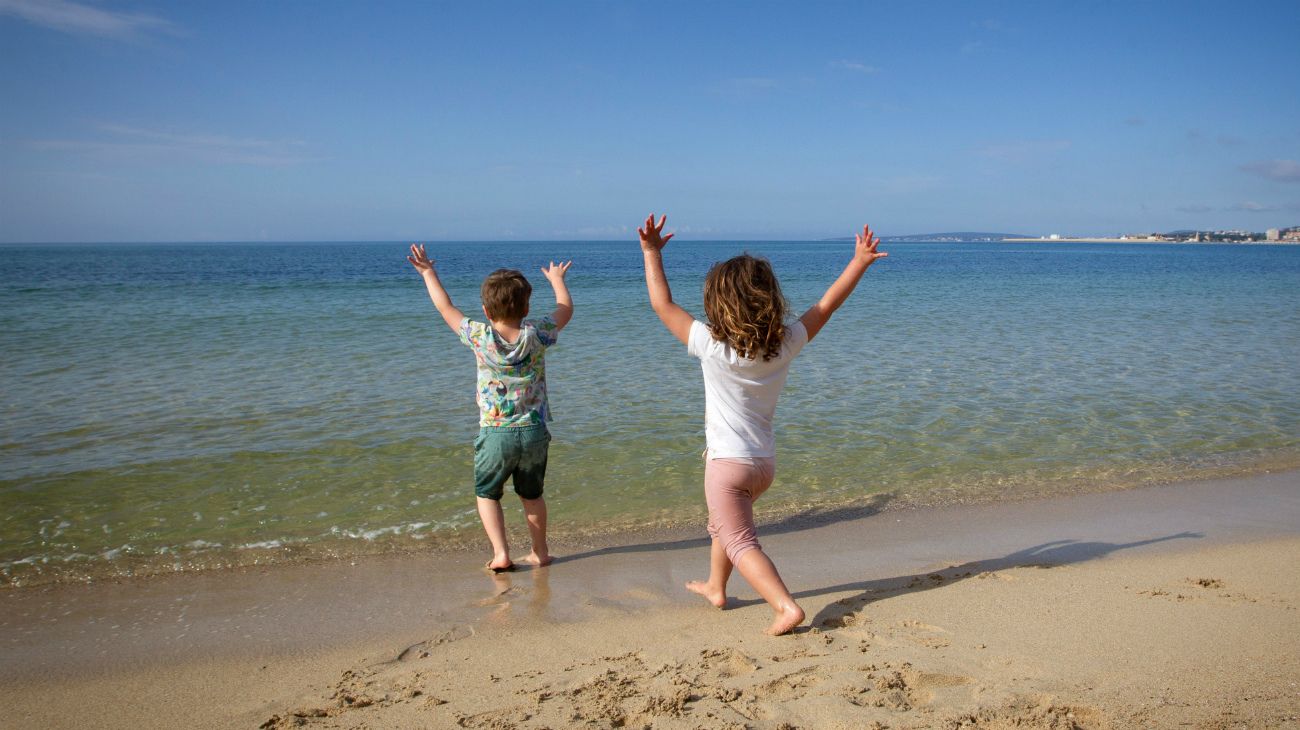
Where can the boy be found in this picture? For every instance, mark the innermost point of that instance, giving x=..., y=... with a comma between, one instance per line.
x=513, y=411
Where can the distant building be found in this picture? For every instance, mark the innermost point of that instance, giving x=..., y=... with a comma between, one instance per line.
x=1273, y=234
x=1054, y=237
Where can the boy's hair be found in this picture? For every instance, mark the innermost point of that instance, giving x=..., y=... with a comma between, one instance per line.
x=745, y=307
x=505, y=294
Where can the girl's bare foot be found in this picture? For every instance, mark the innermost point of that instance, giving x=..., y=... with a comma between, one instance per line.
x=499, y=565
x=785, y=620
x=540, y=561
x=716, y=596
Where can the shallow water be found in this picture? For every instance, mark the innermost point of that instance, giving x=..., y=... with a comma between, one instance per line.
x=190, y=406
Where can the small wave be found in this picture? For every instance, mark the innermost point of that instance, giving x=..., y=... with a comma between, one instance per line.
x=411, y=528
x=115, y=552
x=263, y=545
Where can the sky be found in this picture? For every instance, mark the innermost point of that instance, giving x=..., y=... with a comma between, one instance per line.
x=124, y=120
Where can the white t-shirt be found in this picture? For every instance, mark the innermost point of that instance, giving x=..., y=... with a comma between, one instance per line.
x=740, y=394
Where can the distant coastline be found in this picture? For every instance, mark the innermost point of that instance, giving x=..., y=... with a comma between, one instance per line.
x=950, y=236
x=1099, y=239
x=1289, y=235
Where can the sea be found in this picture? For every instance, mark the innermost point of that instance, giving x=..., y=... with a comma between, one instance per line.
x=193, y=407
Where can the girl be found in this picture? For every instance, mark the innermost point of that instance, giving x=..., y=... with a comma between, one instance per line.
x=745, y=353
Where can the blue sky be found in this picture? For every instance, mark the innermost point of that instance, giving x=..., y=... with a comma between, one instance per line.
x=195, y=121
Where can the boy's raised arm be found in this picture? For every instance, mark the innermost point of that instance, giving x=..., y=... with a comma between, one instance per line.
x=864, y=255
x=420, y=260
x=677, y=320
x=563, y=302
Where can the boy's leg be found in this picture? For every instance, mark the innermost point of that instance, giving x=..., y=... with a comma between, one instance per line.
x=535, y=513
x=493, y=462
x=529, y=479
x=494, y=523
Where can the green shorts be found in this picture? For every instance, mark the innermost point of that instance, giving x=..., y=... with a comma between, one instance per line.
x=517, y=453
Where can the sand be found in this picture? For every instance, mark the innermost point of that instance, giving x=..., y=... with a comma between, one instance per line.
x=1173, y=606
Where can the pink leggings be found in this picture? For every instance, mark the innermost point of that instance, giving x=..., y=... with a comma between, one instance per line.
x=730, y=488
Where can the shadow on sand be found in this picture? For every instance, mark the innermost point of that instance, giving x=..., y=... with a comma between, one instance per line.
x=1047, y=555
x=794, y=523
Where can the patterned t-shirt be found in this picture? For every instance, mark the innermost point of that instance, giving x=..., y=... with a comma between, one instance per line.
x=511, y=375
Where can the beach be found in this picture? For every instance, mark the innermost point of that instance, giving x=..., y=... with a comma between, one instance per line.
x=1169, y=606
x=1024, y=477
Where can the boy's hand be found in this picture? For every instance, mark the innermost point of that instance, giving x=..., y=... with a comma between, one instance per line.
x=555, y=272
x=419, y=259
x=651, y=240
x=864, y=250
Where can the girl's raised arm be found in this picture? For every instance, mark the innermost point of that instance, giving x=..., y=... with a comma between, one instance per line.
x=677, y=320
x=864, y=255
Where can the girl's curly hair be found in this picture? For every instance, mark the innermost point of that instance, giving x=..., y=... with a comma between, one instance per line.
x=745, y=307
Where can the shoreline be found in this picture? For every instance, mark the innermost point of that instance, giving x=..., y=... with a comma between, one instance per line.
x=274, y=641
x=567, y=536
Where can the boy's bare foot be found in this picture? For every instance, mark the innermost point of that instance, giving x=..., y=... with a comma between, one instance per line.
x=540, y=561
x=713, y=595
x=786, y=619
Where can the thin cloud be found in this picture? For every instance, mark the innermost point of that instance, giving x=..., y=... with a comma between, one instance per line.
x=743, y=87
x=79, y=19
x=854, y=66
x=887, y=107
x=756, y=86
x=1021, y=151
x=913, y=183
x=1279, y=170
x=152, y=144
x=1251, y=206
x=608, y=231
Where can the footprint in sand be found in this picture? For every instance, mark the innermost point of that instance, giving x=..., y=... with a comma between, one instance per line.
x=727, y=663
x=901, y=688
x=788, y=686
x=1030, y=712
x=422, y=649
x=925, y=634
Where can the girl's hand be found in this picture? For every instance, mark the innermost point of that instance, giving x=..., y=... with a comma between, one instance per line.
x=650, y=234
x=555, y=272
x=864, y=249
x=419, y=259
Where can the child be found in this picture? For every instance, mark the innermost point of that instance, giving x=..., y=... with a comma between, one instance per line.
x=512, y=439
x=745, y=353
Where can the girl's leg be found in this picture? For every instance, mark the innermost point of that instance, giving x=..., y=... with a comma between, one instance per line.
x=715, y=588
x=494, y=523
x=724, y=493
x=730, y=487
x=761, y=574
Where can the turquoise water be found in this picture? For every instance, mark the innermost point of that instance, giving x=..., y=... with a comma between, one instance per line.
x=194, y=406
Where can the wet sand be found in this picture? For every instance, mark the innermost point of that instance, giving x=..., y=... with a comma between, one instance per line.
x=1169, y=606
